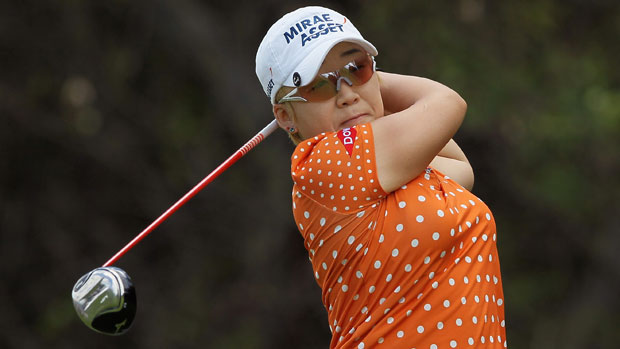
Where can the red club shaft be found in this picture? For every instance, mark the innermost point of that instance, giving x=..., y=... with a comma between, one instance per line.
x=259, y=137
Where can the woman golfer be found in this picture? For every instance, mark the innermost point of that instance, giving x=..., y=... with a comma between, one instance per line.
x=404, y=254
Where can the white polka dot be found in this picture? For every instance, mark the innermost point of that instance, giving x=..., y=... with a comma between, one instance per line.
x=337, y=229
x=351, y=239
x=408, y=268
x=474, y=320
x=307, y=214
x=400, y=334
x=399, y=227
x=440, y=213
x=380, y=340
x=453, y=344
x=414, y=243
x=360, y=346
x=381, y=238
x=419, y=218
x=421, y=198
x=345, y=288
x=470, y=341
x=446, y=303
x=388, y=278
x=359, y=274
x=433, y=346
x=435, y=236
x=420, y=329
x=377, y=264
x=402, y=204
x=371, y=289
x=427, y=307
x=459, y=322
x=390, y=320
x=334, y=254
x=440, y=325
x=395, y=252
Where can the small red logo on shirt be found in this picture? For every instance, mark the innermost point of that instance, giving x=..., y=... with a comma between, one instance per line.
x=347, y=137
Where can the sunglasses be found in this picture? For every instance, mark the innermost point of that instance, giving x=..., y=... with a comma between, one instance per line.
x=327, y=85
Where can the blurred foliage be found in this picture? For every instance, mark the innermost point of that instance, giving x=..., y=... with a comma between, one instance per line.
x=110, y=111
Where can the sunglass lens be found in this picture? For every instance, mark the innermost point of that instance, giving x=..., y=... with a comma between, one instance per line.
x=323, y=87
x=360, y=71
x=319, y=89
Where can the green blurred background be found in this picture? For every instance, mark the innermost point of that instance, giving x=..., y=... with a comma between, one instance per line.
x=111, y=110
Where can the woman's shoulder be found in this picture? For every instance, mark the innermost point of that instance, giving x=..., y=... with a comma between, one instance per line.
x=337, y=169
x=346, y=143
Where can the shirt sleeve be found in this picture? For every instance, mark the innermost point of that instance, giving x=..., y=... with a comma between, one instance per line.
x=338, y=170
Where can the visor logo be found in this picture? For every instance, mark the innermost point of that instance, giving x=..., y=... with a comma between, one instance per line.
x=313, y=27
x=296, y=79
x=269, y=87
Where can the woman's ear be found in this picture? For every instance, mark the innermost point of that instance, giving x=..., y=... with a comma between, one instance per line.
x=284, y=116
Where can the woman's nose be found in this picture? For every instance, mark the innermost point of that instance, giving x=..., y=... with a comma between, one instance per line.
x=346, y=95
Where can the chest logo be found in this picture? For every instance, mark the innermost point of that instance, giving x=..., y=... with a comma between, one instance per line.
x=347, y=137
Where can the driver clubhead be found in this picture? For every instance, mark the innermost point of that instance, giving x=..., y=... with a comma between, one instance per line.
x=105, y=300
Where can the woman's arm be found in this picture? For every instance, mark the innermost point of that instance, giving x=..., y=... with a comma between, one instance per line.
x=424, y=115
x=452, y=162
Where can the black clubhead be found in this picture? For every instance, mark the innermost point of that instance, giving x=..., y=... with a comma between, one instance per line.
x=105, y=300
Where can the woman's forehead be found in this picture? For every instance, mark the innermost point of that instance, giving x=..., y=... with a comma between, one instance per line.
x=339, y=55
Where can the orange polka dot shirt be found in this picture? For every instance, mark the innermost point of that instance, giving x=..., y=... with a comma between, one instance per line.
x=414, y=268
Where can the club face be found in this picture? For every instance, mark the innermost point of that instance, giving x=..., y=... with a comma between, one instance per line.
x=105, y=300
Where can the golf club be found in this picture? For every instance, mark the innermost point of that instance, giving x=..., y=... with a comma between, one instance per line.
x=105, y=298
